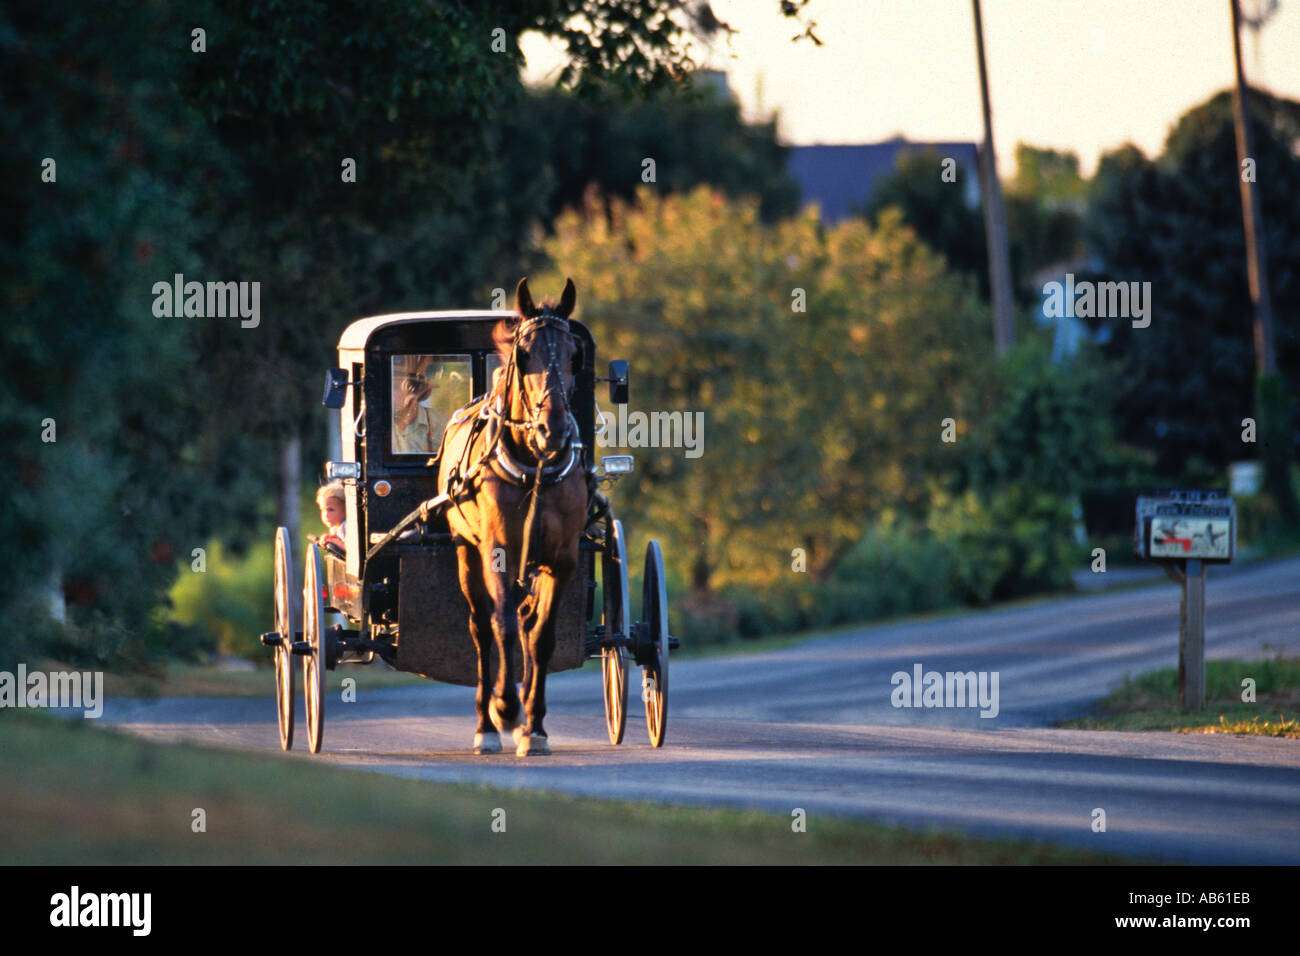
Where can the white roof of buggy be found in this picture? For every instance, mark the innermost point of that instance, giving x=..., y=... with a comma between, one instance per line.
x=356, y=335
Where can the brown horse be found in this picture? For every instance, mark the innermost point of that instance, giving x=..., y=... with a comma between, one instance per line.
x=512, y=464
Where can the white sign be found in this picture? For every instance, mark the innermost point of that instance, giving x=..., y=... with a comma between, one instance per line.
x=1191, y=538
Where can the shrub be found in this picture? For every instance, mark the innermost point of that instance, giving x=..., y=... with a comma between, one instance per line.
x=1019, y=541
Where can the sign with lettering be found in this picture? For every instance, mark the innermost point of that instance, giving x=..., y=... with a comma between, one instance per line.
x=1181, y=525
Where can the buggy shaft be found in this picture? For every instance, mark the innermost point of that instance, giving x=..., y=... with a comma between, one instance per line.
x=419, y=514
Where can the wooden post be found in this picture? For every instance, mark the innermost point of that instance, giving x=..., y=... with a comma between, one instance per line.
x=1253, y=220
x=1191, y=638
x=995, y=224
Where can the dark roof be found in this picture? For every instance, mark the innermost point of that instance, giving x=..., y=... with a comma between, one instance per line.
x=841, y=177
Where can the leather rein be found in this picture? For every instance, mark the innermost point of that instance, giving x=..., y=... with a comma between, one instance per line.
x=494, y=417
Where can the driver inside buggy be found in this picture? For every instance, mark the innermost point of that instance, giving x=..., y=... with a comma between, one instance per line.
x=427, y=389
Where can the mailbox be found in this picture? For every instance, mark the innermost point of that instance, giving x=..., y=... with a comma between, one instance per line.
x=1182, y=531
x=1186, y=525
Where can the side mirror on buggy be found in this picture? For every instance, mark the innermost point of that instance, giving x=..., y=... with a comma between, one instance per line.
x=336, y=380
x=618, y=381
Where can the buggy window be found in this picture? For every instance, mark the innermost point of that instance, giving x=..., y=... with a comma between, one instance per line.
x=426, y=390
x=493, y=363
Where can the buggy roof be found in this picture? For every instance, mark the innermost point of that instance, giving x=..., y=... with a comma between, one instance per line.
x=356, y=335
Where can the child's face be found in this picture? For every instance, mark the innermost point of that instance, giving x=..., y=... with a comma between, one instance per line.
x=331, y=512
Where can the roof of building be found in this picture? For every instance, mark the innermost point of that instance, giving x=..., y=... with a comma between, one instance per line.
x=841, y=177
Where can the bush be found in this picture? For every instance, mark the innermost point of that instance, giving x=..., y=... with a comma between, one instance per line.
x=889, y=572
x=230, y=602
x=1019, y=541
x=895, y=572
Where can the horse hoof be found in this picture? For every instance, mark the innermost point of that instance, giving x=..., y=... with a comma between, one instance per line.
x=487, y=743
x=534, y=745
x=518, y=734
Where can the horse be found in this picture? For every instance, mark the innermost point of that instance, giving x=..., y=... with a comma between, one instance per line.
x=513, y=468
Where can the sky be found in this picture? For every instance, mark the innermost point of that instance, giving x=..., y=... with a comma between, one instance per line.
x=1079, y=75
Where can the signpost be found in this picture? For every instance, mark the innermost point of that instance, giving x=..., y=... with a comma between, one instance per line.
x=1183, y=531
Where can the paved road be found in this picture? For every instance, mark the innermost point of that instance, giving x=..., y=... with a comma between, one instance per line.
x=814, y=727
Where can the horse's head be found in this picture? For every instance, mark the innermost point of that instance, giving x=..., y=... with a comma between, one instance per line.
x=540, y=356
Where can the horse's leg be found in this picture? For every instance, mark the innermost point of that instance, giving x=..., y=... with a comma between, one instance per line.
x=503, y=708
x=539, y=644
x=486, y=739
x=527, y=620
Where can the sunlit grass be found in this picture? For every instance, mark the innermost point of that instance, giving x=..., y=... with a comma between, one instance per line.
x=71, y=793
x=1150, y=701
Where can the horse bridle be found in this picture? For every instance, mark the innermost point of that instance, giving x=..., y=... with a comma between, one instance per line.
x=552, y=380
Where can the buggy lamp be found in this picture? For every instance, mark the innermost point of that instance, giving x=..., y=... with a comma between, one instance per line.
x=342, y=469
x=616, y=465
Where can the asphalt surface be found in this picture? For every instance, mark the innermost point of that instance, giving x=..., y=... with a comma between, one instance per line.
x=814, y=727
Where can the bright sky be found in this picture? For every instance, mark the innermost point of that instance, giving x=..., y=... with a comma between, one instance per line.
x=1081, y=75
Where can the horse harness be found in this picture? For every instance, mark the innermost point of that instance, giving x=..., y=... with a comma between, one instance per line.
x=492, y=420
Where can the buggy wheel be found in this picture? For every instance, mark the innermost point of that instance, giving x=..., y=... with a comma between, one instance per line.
x=287, y=607
x=613, y=660
x=653, y=644
x=313, y=662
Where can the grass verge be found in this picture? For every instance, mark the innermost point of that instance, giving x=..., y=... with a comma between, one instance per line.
x=76, y=794
x=1150, y=701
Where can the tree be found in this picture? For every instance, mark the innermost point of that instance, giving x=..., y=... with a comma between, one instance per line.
x=211, y=143
x=107, y=481
x=695, y=135
x=1045, y=207
x=937, y=211
x=1186, y=381
x=443, y=204
x=823, y=364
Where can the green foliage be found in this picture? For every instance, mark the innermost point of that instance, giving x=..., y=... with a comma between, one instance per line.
x=891, y=571
x=1260, y=526
x=231, y=601
x=936, y=210
x=1048, y=426
x=694, y=136
x=225, y=165
x=814, y=421
x=1045, y=439
x=1272, y=675
x=899, y=572
x=1043, y=205
x=1051, y=177
x=1273, y=408
x=95, y=516
x=1044, y=209
x=1149, y=701
x=1185, y=383
x=1014, y=541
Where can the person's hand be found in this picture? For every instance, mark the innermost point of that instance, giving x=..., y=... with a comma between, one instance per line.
x=334, y=540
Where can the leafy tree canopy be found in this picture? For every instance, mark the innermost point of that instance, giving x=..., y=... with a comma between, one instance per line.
x=1187, y=381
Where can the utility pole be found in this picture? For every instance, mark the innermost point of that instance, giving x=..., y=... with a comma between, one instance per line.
x=1256, y=257
x=1272, y=404
x=995, y=222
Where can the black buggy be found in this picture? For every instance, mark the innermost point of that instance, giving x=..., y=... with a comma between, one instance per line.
x=401, y=378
